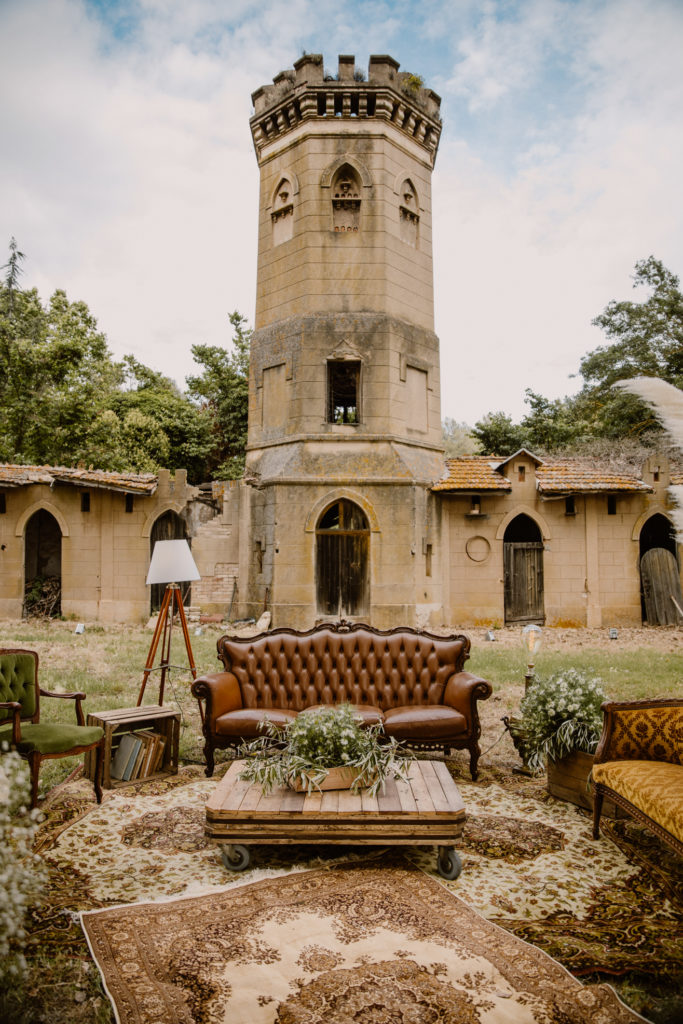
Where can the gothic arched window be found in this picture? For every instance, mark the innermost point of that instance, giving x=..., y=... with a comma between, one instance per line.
x=409, y=217
x=346, y=200
x=282, y=214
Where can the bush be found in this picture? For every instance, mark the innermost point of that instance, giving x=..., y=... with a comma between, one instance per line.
x=21, y=872
x=562, y=714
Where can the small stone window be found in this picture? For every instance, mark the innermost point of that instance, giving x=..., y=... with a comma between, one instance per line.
x=611, y=504
x=570, y=506
x=129, y=503
x=409, y=217
x=85, y=501
x=3, y=505
x=521, y=474
x=282, y=214
x=346, y=200
x=343, y=391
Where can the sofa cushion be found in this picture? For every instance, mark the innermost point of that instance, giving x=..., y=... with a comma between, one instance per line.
x=247, y=721
x=654, y=787
x=52, y=739
x=424, y=722
x=368, y=714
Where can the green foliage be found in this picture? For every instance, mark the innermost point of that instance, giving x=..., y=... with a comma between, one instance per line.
x=646, y=340
x=561, y=714
x=498, y=435
x=320, y=739
x=223, y=390
x=457, y=438
x=412, y=84
x=66, y=401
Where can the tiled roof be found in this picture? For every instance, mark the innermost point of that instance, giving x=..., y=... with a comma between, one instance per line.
x=24, y=476
x=472, y=473
x=676, y=479
x=553, y=476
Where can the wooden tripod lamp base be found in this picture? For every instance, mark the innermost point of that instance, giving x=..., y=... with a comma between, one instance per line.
x=172, y=562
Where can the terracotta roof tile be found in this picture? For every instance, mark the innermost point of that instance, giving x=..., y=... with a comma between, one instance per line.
x=472, y=473
x=24, y=476
x=553, y=476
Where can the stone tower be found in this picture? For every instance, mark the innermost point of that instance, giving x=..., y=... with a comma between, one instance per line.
x=344, y=407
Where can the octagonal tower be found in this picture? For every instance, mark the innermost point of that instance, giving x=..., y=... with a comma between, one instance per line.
x=344, y=407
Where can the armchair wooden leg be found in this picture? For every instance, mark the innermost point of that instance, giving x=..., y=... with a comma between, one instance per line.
x=34, y=759
x=99, y=766
x=598, y=796
x=475, y=753
x=208, y=754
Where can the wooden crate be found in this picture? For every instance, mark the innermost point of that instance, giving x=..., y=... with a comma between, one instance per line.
x=568, y=780
x=118, y=721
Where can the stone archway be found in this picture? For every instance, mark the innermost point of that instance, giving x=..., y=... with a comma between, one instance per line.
x=168, y=526
x=342, y=560
x=42, y=564
x=523, y=565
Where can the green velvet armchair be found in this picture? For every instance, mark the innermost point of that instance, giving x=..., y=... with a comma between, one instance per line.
x=20, y=726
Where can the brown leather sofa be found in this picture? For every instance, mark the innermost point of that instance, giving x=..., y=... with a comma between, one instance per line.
x=410, y=680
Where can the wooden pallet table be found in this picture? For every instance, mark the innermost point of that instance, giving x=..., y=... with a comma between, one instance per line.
x=117, y=721
x=428, y=808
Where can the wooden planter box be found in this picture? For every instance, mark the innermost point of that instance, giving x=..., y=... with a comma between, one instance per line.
x=568, y=780
x=164, y=720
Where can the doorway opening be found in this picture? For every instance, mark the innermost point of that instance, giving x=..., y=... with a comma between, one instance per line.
x=523, y=568
x=342, y=550
x=42, y=565
x=660, y=579
x=169, y=526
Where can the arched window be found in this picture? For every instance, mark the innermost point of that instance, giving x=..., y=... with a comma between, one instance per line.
x=42, y=565
x=169, y=526
x=523, y=565
x=282, y=214
x=346, y=200
x=342, y=550
x=409, y=216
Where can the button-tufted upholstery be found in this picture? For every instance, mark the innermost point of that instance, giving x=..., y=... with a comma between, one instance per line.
x=411, y=681
x=20, y=725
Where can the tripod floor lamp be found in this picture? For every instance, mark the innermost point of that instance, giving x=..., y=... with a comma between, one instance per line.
x=172, y=563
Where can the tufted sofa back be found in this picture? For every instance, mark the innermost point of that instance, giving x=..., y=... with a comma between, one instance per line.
x=339, y=662
x=18, y=681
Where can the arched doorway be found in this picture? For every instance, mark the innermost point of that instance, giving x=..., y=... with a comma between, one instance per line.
x=660, y=581
x=523, y=566
x=42, y=565
x=342, y=548
x=169, y=526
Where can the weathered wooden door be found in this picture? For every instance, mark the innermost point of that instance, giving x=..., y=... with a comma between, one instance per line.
x=342, y=547
x=661, y=587
x=523, y=565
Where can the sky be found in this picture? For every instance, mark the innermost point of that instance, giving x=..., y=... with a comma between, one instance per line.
x=128, y=175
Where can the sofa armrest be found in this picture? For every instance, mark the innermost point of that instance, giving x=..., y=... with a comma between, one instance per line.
x=462, y=692
x=15, y=707
x=642, y=730
x=221, y=691
x=78, y=697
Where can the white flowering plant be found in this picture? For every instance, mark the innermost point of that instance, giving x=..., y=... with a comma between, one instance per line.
x=21, y=871
x=302, y=752
x=561, y=714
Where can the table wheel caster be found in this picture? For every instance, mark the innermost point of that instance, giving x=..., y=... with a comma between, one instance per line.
x=448, y=863
x=235, y=858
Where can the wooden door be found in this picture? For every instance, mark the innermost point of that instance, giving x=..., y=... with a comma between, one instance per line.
x=523, y=564
x=343, y=542
x=661, y=583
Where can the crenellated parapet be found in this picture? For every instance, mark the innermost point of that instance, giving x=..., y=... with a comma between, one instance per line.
x=307, y=93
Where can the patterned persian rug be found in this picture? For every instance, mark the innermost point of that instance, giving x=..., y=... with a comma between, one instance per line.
x=610, y=907
x=378, y=944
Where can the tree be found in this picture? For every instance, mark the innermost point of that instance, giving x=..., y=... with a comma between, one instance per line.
x=498, y=435
x=223, y=389
x=457, y=438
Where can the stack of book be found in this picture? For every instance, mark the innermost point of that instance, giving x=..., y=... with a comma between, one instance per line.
x=138, y=755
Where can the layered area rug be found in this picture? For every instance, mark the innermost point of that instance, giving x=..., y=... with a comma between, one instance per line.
x=609, y=907
x=380, y=944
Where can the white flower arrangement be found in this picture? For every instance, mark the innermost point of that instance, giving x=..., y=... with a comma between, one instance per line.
x=21, y=871
x=561, y=714
x=301, y=753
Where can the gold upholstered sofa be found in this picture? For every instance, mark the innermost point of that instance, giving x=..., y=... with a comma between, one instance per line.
x=639, y=765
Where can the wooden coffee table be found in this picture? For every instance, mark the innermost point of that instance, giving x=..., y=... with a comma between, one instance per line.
x=426, y=809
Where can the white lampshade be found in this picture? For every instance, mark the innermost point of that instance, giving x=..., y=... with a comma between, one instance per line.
x=172, y=562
